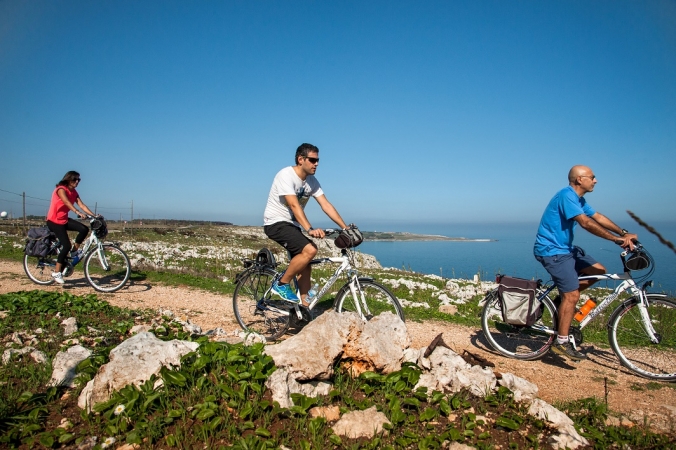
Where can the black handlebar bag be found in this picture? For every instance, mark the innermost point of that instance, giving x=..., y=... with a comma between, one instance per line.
x=519, y=303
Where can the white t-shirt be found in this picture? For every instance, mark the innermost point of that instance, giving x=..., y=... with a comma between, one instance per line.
x=286, y=182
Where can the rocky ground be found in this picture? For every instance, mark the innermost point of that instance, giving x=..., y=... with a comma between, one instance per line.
x=634, y=397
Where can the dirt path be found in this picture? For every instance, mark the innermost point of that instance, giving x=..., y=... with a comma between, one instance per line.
x=556, y=379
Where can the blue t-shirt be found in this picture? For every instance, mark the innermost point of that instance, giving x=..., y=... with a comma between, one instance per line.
x=555, y=234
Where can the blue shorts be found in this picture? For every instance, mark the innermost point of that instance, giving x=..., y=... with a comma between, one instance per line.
x=565, y=268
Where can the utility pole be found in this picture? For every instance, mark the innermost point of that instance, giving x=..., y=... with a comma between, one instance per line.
x=131, y=224
x=24, y=212
x=95, y=205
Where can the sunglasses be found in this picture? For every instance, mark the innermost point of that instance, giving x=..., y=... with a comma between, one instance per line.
x=77, y=179
x=312, y=160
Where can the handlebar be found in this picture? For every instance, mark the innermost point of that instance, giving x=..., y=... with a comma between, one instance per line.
x=330, y=231
x=327, y=231
x=637, y=246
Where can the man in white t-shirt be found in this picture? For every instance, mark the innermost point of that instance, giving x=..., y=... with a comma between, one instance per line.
x=284, y=219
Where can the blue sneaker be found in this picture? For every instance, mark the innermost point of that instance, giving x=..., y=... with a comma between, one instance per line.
x=285, y=293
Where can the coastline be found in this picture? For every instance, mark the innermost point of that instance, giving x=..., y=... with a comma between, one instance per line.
x=399, y=236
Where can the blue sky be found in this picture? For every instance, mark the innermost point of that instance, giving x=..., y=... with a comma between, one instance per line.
x=424, y=112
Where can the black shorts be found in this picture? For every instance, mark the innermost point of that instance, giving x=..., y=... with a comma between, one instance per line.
x=288, y=236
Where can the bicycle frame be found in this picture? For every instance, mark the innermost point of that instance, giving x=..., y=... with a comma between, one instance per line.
x=344, y=266
x=94, y=244
x=627, y=284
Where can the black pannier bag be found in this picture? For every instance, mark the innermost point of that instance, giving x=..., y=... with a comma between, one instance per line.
x=39, y=242
x=518, y=299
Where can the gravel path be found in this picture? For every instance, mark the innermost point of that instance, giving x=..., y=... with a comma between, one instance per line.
x=556, y=379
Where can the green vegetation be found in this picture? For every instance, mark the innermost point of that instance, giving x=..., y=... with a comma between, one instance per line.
x=218, y=397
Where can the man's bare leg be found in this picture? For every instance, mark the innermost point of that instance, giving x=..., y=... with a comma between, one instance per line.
x=300, y=266
x=567, y=311
x=304, y=280
x=596, y=269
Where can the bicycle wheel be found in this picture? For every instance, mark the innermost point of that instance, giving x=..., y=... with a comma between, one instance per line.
x=630, y=342
x=254, y=310
x=520, y=342
x=107, y=269
x=39, y=269
x=376, y=299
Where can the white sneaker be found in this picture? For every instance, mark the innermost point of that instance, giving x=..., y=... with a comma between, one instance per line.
x=58, y=277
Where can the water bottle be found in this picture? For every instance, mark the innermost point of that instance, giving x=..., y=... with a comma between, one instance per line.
x=76, y=257
x=312, y=292
x=584, y=310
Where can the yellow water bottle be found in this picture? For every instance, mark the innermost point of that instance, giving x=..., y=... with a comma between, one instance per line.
x=584, y=310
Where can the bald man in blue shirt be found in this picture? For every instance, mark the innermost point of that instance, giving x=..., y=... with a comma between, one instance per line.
x=565, y=262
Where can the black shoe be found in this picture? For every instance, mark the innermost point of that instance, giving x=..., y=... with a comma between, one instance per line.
x=568, y=350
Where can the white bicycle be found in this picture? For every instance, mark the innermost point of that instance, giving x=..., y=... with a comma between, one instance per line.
x=641, y=330
x=106, y=266
x=256, y=311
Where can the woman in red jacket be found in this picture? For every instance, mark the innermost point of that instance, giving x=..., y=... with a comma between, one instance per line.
x=64, y=198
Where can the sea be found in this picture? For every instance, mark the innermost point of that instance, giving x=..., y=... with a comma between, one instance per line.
x=508, y=249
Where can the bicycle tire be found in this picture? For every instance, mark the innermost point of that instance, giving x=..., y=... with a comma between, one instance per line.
x=254, y=310
x=520, y=342
x=631, y=343
x=109, y=277
x=39, y=269
x=377, y=298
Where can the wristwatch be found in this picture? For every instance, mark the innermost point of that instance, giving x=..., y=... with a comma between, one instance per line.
x=310, y=229
x=624, y=232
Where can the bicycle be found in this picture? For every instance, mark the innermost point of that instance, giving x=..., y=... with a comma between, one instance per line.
x=641, y=330
x=257, y=312
x=106, y=266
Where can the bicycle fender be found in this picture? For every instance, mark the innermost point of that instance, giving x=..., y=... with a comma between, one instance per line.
x=650, y=294
x=627, y=303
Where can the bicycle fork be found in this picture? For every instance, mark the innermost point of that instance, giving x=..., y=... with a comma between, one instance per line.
x=102, y=257
x=359, y=300
x=645, y=318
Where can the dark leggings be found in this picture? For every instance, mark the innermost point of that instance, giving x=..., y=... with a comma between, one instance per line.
x=61, y=232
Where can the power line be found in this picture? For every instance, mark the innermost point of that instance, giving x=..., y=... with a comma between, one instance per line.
x=45, y=200
x=12, y=201
x=27, y=196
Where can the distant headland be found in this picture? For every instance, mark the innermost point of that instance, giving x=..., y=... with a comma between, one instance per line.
x=405, y=236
